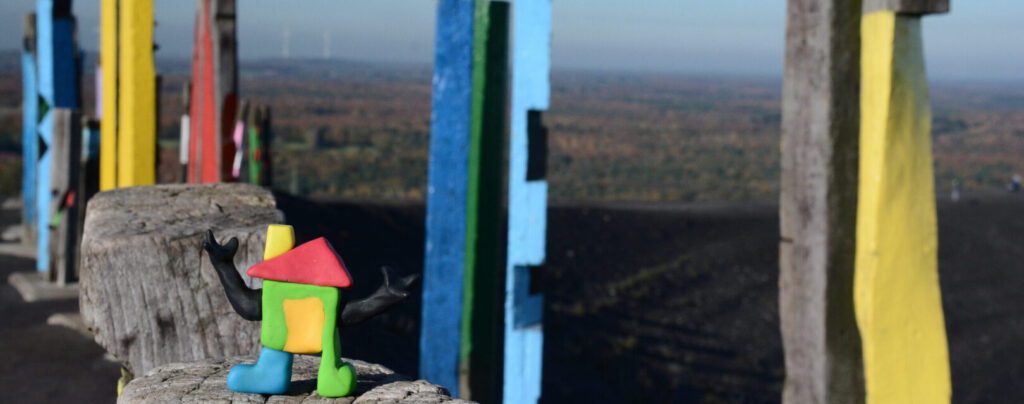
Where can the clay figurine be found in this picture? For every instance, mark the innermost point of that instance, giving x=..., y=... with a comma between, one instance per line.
x=301, y=307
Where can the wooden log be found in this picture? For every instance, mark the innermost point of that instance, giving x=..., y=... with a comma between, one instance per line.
x=205, y=382
x=818, y=203
x=29, y=135
x=136, y=125
x=527, y=200
x=909, y=7
x=896, y=286
x=148, y=292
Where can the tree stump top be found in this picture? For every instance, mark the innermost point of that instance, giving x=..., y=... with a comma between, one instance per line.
x=176, y=210
x=206, y=382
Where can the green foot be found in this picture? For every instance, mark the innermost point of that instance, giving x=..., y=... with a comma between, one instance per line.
x=340, y=382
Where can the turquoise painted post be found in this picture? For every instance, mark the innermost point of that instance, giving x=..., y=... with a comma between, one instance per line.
x=58, y=88
x=527, y=199
x=450, y=125
x=29, y=119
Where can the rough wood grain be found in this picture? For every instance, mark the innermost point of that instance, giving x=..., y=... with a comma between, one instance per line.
x=818, y=203
x=64, y=210
x=29, y=135
x=148, y=291
x=205, y=382
x=915, y=7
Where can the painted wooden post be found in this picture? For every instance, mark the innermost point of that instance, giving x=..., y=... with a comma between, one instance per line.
x=818, y=203
x=108, y=107
x=202, y=146
x=57, y=69
x=136, y=127
x=29, y=135
x=65, y=206
x=896, y=285
x=462, y=288
x=214, y=92
x=480, y=355
x=184, y=136
x=258, y=147
x=527, y=200
x=89, y=183
x=238, y=137
x=225, y=63
x=450, y=124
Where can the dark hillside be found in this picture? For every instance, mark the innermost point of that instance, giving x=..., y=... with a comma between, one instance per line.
x=677, y=302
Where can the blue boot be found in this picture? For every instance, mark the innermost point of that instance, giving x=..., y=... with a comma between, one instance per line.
x=269, y=375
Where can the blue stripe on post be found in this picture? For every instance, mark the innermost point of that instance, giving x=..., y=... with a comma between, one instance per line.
x=58, y=87
x=446, y=194
x=44, y=52
x=29, y=144
x=527, y=205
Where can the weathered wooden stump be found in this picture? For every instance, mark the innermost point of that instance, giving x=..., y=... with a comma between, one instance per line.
x=148, y=292
x=206, y=382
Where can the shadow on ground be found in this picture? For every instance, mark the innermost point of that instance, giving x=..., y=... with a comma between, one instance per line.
x=643, y=303
x=678, y=302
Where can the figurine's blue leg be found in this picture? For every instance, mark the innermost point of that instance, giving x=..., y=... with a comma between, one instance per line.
x=269, y=375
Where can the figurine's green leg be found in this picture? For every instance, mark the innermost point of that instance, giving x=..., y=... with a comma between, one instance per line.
x=332, y=380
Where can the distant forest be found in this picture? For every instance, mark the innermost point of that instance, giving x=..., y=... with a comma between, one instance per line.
x=356, y=130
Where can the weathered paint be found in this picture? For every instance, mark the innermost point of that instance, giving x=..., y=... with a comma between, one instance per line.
x=479, y=359
x=136, y=118
x=225, y=80
x=450, y=127
x=238, y=137
x=254, y=150
x=527, y=204
x=214, y=92
x=29, y=119
x=896, y=285
x=204, y=149
x=108, y=117
x=57, y=74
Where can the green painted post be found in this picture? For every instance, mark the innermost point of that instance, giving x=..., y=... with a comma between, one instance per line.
x=479, y=368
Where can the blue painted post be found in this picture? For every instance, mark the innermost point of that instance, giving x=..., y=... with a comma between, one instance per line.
x=450, y=125
x=527, y=199
x=58, y=88
x=29, y=119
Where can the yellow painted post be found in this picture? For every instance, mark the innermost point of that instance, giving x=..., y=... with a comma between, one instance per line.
x=136, y=140
x=108, y=120
x=897, y=299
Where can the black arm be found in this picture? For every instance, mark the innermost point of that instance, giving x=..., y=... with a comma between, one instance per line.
x=380, y=301
x=247, y=302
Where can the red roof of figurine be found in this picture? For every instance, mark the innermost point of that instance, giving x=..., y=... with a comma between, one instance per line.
x=313, y=263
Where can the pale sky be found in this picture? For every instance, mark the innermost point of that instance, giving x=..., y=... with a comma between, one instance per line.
x=980, y=39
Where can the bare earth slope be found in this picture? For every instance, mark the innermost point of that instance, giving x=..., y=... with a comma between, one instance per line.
x=677, y=302
x=644, y=303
